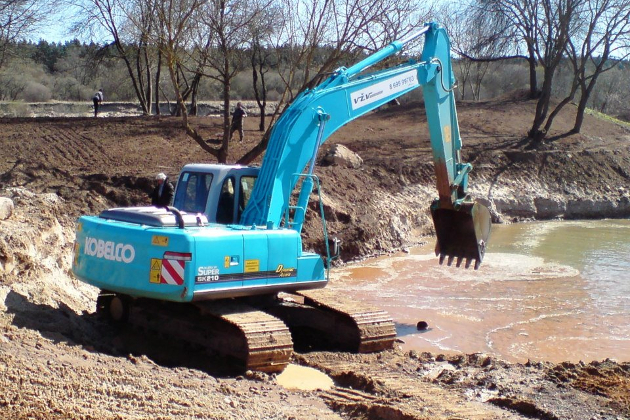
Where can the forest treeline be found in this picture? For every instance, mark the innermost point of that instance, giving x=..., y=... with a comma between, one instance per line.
x=72, y=71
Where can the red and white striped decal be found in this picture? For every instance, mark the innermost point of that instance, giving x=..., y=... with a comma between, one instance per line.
x=172, y=272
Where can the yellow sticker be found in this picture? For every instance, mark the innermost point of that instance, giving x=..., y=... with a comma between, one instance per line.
x=446, y=133
x=156, y=269
x=226, y=261
x=79, y=227
x=76, y=253
x=159, y=240
x=252, y=266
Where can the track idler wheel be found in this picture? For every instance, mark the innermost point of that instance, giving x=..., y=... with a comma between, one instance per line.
x=114, y=307
x=462, y=234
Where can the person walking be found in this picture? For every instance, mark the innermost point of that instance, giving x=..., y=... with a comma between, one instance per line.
x=163, y=192
x=97, y=99
x=237, y=121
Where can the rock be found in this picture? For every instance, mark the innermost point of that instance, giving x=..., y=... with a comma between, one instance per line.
x=342, y=156
x=422, y=326
x=6, y=208
x=587, y=208
x=520, y=206
x=549, y=208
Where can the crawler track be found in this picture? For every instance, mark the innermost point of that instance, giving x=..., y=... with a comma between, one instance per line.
x=258, y=338
x=321, y=319
x=248, y=338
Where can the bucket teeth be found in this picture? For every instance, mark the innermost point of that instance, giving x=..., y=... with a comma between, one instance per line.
x=461, y=233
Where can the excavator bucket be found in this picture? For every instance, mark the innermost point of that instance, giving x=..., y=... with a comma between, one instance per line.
x=462, y=234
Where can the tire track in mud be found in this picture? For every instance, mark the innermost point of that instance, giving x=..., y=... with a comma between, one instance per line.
x=70, y=148
x=396, y=395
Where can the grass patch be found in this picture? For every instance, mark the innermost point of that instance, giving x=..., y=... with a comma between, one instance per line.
x=607, y=117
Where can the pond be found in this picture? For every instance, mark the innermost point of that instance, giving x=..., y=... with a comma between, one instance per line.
x=546, y=291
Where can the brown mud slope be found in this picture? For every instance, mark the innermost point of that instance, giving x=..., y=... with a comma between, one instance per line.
x=57, y=361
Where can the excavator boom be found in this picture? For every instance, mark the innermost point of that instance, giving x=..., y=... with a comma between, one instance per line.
x=462, y=226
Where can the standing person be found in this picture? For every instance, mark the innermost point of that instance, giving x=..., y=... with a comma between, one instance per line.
x=97, y=99
x=237, y=121
x=163, y=192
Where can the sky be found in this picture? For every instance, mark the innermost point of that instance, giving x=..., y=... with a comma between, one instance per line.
x=56, y=30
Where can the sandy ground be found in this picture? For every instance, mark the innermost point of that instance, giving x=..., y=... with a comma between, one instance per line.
x=58, y=361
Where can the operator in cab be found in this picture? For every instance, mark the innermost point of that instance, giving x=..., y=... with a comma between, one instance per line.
x=162, y=194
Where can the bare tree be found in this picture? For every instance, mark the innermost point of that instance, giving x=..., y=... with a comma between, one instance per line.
x=346, y=28
x=545, y=26
x=175, y=41
x=513, y=27
x=599, y=32
x=604, y=39
x=263, y=56
x=228, y=23
x=475, y=39
x=18, y=18
x=195, y=39
x=128, y=26
x=555, y=22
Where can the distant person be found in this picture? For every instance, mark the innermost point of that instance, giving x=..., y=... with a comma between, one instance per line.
x=237, y=121
x=163, y=192
x=97, y=99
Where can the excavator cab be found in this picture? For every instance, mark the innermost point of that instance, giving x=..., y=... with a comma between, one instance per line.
x=462, y=233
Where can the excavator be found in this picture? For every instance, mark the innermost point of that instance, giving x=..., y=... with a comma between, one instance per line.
x=224, y=268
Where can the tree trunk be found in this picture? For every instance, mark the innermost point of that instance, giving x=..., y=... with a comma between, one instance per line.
x=149, y=85
x=586, y=94
x=533, y=81
x=225, y=144
x=261, y=97
x=261, y=125
x=536, y=133
x=158, y=72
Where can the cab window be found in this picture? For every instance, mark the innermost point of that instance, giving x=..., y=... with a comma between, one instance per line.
x=192, y=192
x=225, y=207
x=245, y=192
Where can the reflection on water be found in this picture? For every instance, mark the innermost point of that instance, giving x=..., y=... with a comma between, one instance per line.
x=545, y=291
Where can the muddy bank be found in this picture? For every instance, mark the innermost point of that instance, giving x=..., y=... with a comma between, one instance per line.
x=582, y=184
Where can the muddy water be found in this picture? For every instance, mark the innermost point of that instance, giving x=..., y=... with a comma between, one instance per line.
x=545, y=291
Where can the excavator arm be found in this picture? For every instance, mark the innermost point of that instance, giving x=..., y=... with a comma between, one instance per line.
x=462, y=226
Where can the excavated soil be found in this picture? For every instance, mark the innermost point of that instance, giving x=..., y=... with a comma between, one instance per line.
x=59, y=361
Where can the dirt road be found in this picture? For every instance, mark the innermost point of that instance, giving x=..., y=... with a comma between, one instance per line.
x=57, y=361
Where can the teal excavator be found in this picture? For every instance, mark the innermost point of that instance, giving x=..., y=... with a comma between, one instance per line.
x=224, y=266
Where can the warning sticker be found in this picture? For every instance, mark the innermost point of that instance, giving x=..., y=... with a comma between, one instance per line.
x=252, y=266
x=156, y=269
x=158, y=240
x=76, y=253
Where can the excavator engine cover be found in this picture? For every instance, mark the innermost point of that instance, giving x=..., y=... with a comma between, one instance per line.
x=462, y=234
